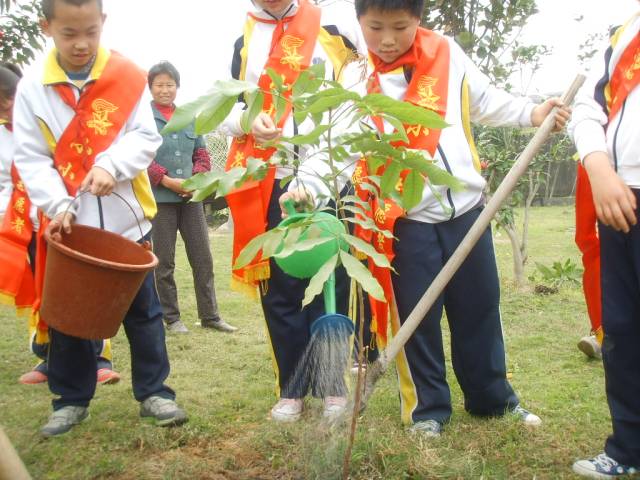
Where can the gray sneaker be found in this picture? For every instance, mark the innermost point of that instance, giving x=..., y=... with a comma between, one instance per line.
x=165, y=411
x=427, y=428
x=63, y=420
x=177, y=327
x=590, y=347
x=218, y=324
x=528, y=418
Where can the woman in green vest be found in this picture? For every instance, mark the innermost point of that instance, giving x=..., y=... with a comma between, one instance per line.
x=181, y=155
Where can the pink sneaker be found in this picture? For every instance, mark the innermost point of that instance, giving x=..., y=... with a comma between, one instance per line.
x=334, y=407
x=106, y=376
x=287, y=410
x=32, y=377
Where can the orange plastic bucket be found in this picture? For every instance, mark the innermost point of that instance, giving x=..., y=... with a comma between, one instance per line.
x=91, y=279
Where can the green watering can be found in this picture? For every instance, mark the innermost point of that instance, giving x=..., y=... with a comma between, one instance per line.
x=332, y=327
x=305, y=264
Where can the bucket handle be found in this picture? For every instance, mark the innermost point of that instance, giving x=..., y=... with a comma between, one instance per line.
x=146, y=244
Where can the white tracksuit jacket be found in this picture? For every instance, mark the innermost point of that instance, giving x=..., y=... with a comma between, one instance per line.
x=40, y=117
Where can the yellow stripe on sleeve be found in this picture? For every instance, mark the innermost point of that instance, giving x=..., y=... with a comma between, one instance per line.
x=142, y=190
x=466, y=125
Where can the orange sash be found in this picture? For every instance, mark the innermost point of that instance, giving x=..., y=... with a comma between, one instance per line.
x=429, y=88
x=101, y=112
x=291, y=53
x=16, y=279
x=625, y=78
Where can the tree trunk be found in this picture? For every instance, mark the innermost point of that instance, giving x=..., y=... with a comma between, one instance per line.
x=518, y=262
x=534, y=187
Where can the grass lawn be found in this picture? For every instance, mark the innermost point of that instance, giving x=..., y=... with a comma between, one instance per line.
x=226, y=384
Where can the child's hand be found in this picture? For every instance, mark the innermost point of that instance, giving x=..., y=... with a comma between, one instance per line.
x=541, y=111
x=614, y=201
x=62, y=220
x=300, y=197
x=98, y=181
x=175, y=185
x=264, y=129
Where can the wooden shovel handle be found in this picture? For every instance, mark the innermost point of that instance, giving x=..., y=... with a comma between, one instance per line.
x=11, y=467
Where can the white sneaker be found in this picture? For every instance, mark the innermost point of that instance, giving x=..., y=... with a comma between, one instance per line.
x=603, y=466
x=528, y=418
x=287, y=410
x=590, y=347
x=334, y=407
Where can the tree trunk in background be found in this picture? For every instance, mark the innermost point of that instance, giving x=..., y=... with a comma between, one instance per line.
x=518, y=260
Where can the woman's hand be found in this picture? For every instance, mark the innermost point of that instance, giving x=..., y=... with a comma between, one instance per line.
x=175, y=185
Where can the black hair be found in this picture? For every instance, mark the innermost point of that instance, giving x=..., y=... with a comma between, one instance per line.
x=9, y=79
x=414, y=7
x=166, y=68
x=49, y=5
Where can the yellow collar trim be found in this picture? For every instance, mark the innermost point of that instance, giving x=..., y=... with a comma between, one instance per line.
x=53, y=72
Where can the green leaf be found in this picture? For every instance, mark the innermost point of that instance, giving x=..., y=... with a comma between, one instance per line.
x=204, y=193
x=369, y=224
x=216, y=111
x=318, y=70
x=356, y=209
x=201, y=180
x=255, y=102
x=398, y=126
x=355, y=200
x=330, y=98
x=355, y=269
x=280, y=104
x=407, y=113
x=303, y=246
x=276, y=78
x=222, y=89
x=230, y=180
x=255, y=167
x=286, y=180
x=379, y=259
x=412, y=189
x=185, y=114
x=390, y=178
x=274, y=241
x=311, y=138
x=438, y=176
x=233, y=88
x=316, y=284
x=250, y=251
